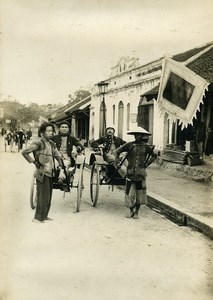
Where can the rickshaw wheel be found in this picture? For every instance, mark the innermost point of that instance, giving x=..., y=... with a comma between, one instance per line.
x=33, y=194
x=80, y=187
x=94, y=183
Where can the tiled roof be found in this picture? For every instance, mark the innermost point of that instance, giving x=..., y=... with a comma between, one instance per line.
x=64, y=112
x=77, y=105
x=181, y=57
x=150, y=94
x=203, y=65
x=59, y=113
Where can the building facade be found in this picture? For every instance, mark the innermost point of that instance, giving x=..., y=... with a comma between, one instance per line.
x=127, y=82
x=132, y=97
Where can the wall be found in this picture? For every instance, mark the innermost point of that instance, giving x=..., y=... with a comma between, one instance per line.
x=126, y=86
x=159, y=128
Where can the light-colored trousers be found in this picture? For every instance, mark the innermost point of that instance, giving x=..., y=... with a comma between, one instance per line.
x=110, y=158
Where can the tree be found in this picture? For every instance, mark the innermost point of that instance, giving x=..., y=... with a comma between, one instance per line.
x=20, y=114
x=81, y=94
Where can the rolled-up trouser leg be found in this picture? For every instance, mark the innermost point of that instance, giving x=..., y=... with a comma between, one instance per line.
x=44, y=195
x=141, y=196
x=67, y=164
x=135, y=193
x=130, y=195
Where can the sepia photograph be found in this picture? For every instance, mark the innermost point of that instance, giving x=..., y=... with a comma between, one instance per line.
x=106, y=150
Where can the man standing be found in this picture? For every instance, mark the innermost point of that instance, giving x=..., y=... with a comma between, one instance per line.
x=44, y=152
x=140, y=156
x=64, y=143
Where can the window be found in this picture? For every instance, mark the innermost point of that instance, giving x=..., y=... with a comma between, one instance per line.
x=120, y=119
x=143, y=116
x=113, y=114
x=128, y=115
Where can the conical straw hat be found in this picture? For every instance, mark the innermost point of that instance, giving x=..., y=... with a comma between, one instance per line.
x=140, y=130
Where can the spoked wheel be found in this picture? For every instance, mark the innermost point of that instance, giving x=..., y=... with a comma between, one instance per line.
x=80, y=187
x=33, y=194
x=94, y=183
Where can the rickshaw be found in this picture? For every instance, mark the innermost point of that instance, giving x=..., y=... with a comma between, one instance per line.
x=103, y=173
x=73, y=180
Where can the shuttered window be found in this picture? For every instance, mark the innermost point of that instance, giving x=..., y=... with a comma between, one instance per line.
x=143, y=116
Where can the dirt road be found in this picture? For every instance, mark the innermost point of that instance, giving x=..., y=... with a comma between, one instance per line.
x=96, y=254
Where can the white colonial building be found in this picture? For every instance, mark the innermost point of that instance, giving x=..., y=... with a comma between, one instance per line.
x=127, y=82
x=134, y=99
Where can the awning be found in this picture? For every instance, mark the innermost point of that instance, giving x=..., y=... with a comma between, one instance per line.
x=66, y=111
x=151, y=94
x=181, y=92
x=84, y=109
x=59, y=114
x=80, y=105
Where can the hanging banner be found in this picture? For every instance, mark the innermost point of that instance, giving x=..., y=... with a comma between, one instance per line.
x=181, y=92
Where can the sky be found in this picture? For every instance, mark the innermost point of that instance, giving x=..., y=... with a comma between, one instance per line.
x=51, y=48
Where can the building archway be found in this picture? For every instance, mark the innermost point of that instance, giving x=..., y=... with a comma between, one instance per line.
x=120, y=119
x=128, y=116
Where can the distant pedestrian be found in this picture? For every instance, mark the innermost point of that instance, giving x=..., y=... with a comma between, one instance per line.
x=10, y=137
x=140, y=156
x=5, y=140
x=44, y=152
x=29, y=134
x=3, y=131
x=21, y=138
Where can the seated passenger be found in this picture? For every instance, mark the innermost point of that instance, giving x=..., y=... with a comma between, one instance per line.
x=109, y=143
x=64, y=143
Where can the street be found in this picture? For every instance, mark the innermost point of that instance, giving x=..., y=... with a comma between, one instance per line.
x=96, y=254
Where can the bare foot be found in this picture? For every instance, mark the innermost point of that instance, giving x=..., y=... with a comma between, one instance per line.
x=37, y=221
x=135, y=216
x=130, y=214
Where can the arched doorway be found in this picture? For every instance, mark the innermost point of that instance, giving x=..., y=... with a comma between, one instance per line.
x=120, y=119
x=128, y=116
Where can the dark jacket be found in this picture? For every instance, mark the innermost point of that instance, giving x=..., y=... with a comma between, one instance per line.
x=136, y=157
x=107, y=141
x=71, y=141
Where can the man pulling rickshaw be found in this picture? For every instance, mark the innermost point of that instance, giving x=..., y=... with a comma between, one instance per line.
x=139, y=156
